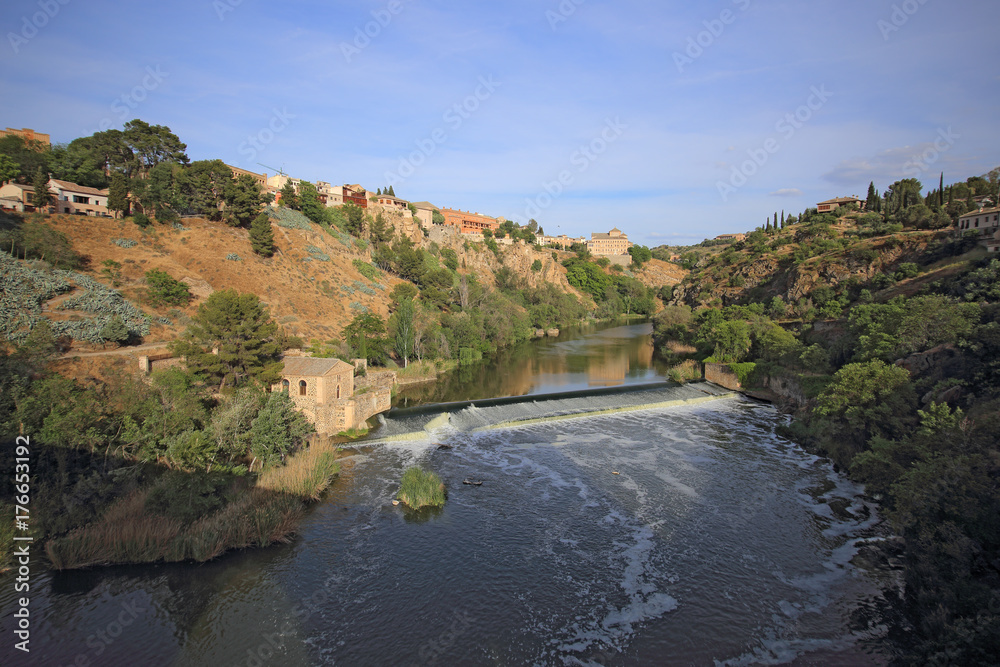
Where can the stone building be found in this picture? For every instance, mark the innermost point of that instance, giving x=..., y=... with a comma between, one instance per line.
x=613, y=244
x=470, y=223
x=28, y=135
x=323, y=390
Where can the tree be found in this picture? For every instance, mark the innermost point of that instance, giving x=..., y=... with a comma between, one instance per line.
x=277, y=429
x=118, y=194
x=401, y=326
x=289, y=199
x=115, y=330
x=163, y=288
x=355, y=219
x=243, y=200
x=391, y=191
x=871, y=202
x=262, y=236
x=640, y=255
x=240, y=327
x=366, y=336
x=868, y=399
x=41, y=196
x=9, y=169
x=203, y=187
x=536, y=266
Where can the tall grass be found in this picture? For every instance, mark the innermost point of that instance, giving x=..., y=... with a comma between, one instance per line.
x=420, y=488
x=267, y=513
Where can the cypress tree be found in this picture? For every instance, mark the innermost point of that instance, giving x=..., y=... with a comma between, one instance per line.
x=392, y=192
x=41, y=195
x=941, y=191
x=118, y=194
x=262, y=236
x=379, y=191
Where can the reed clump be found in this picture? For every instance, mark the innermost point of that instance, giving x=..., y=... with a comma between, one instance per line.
x=266, y=513
x=420, y=488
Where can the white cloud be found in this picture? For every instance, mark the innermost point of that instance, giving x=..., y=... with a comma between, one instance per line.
x=786, y=192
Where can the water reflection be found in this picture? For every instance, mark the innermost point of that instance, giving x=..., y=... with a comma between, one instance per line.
x=601, y=355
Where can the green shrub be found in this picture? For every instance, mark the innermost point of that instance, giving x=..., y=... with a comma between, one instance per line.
x=164, y=289
x=141, y=219
x=420, y=488
x=744, y=372
x=367, y=270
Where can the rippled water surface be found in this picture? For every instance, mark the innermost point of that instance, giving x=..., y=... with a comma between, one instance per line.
x=689, y=535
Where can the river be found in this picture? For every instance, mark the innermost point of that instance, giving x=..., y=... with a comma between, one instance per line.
x=674, y=528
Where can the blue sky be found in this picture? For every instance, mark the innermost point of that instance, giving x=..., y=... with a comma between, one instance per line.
x=673, y=121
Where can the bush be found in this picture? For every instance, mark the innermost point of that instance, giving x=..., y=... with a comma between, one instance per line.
x=164, y=289
x=141, y=219
x=420, y=488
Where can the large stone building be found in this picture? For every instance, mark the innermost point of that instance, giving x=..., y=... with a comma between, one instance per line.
x=613, y=244
x=27, y=134
x=323, y=390
x=261, y=179
x=470, y=223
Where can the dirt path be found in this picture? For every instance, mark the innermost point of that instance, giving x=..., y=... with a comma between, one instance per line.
x=118, y=351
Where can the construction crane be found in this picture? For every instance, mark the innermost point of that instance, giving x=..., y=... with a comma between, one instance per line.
x=281, y=172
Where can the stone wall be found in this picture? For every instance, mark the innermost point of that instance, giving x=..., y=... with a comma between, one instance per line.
x=723, y=376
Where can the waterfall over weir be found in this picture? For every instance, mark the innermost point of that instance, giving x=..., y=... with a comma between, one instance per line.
x=472, y=416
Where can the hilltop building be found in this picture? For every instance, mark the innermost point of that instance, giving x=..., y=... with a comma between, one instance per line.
x=470, y=223
x=261, y=179
x=425, y=213
x=730, y=237
x=323, y=391
x=66, y=198
x=985, y=221
x=392, y=203
x=27, y=134
x=834, y=204
x=613, y=244
x=562, y=240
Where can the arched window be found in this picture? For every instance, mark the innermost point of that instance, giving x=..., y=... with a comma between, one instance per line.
x=302, y=387
x=338, y=391
x=284, y=385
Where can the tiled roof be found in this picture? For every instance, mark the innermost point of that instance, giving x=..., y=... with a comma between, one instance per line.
x=985, y=211
x=311, y=366
x=425, y=205
x=73, y=187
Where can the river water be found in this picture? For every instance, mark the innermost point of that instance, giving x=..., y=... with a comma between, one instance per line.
x=678, y=531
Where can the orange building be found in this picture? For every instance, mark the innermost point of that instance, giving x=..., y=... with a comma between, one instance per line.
x=28, y=134
x=469, y=223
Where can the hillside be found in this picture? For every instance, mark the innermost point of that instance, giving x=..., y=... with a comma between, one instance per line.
x=312, y=285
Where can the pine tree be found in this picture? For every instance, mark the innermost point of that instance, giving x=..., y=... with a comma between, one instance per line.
x=288, y=197
x=41, y=195
x=240, y=327
x=262, y=236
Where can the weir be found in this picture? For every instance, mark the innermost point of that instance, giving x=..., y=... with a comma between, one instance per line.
x=513, y=411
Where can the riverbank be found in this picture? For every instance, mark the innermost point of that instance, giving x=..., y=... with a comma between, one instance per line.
x=142, y=528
